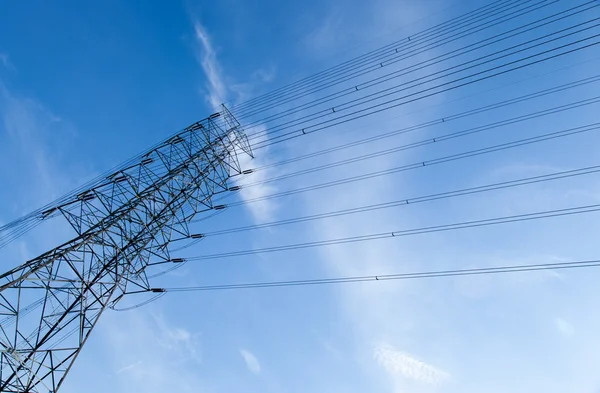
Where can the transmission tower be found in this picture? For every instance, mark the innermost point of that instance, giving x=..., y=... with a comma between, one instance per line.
x=124, y=223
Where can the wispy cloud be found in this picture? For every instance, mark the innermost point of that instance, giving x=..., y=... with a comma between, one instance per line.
x=149, y=359
x=564, y=327
x=129, y=367
x=32, y=142
x=177, y=339
x=251, y=361
x=262, y=211
x=326, y=36
x=24, y=120
x=216, y=92
x=400, y=363
x=265, y=75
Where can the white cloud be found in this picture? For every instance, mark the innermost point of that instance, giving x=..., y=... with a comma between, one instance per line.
x=564, y=327
x=177, y=339
x=251, y=361
x=399, y=363
x=262, y=211
x=129, y=367
x=148, y=359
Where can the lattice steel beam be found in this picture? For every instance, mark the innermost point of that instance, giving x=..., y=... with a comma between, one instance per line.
x=50, y=304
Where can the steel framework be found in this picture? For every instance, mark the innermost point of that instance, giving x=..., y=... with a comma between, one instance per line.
x=49, y=305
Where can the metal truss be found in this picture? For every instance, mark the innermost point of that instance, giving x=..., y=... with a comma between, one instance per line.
x=49, y=305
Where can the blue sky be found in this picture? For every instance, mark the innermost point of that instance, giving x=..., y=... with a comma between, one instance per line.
x=84, y=86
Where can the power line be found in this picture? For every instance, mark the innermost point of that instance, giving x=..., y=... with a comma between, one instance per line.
x=406, y=232
x=126, y=222
x=414, y=200
x=391, y=277
x=413, y=96
x=301, y=76
x=375, y=108
x=422, y=164
x=109, y=172
x=353, y=90
x=434, y=122
x=444, y=119
x=417, y=66
x=395, y=51
x=29, y=224
x=428, y=141
x=345, y=63
x=23, y=225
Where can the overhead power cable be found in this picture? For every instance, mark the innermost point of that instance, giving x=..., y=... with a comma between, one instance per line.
x=23, y=225
x=422, y=164
x=392, y=277
x=353, y=62
x=406, y=232
x=358, y=88
x=428, y=141
x=440, y=120
x=26, y=223
x=414, y=200
x=301, y=76
x=393, y=50
x=540, y=138
x=437, y=121
x=336, y=68
x=429, y=92
x=462, y=80
x=410, y=53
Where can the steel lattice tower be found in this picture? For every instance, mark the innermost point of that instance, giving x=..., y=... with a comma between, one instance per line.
x=49, y=305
